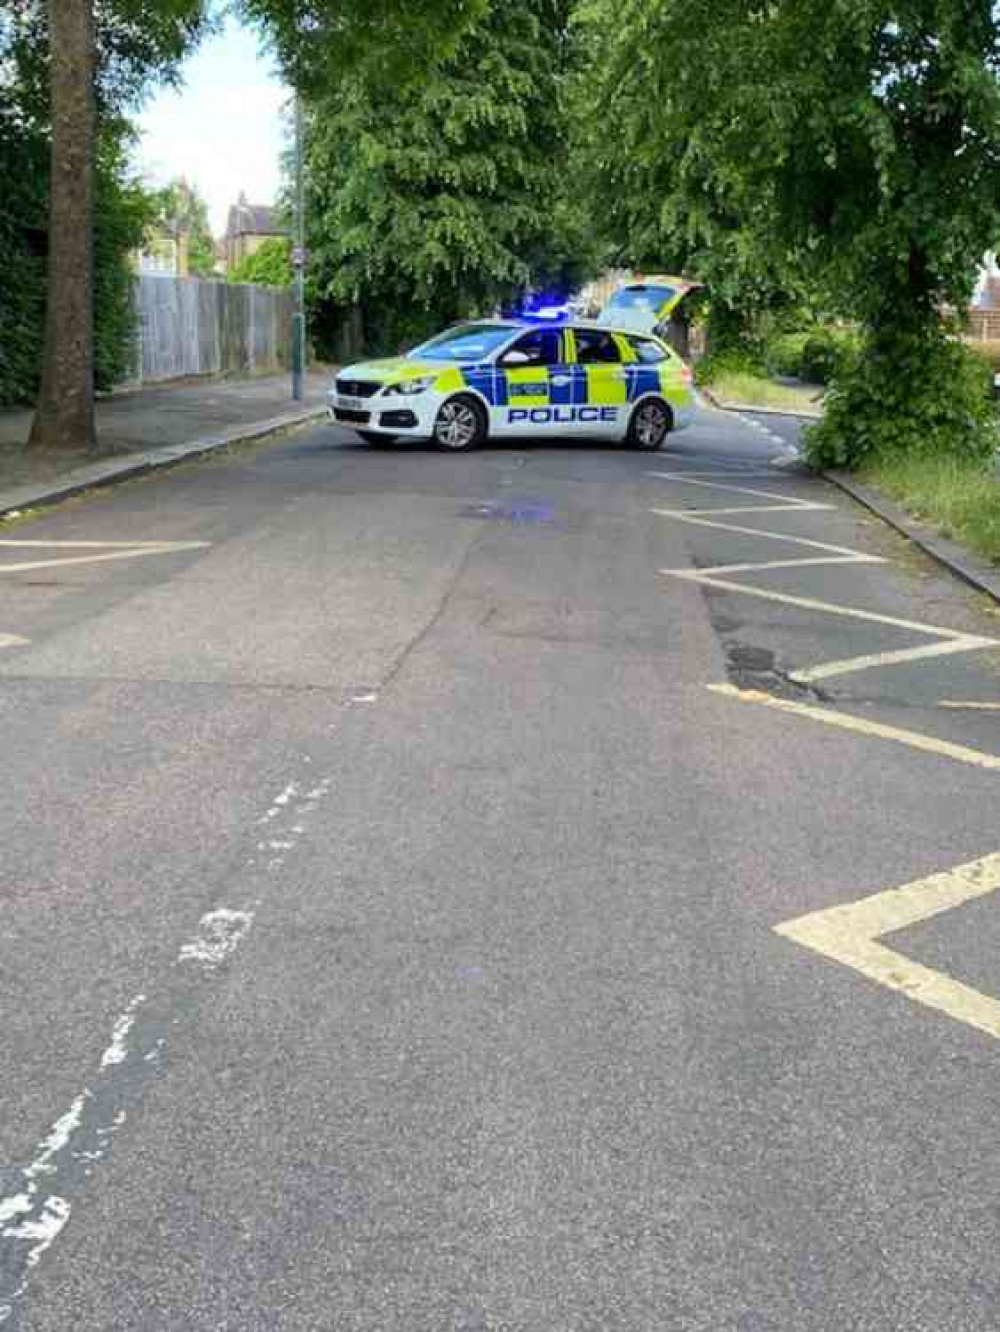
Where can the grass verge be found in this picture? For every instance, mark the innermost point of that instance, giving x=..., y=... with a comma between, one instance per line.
x=749, y=390
x=961, y=499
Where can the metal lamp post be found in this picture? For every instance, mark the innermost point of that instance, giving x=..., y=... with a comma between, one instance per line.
x=299, y=265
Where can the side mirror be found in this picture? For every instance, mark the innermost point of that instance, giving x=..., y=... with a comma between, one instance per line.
x=516, y=358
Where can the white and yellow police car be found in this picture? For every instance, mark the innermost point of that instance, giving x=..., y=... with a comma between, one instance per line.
x=501, y=378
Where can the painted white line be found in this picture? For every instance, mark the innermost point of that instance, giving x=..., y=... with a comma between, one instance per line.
x=12, y=640
x=786, y=501
x=863, y=726
x=104, y=545
x=219, y=935
x=971, y=706
x=850, y=933
x=695, y=519
x=23, y=566
x=880, y=660
x=32, y=1218
x=117, y=1050
x=828, y=607
x=781, y=564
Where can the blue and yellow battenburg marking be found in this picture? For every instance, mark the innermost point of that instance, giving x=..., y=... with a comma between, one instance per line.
x=568, y=394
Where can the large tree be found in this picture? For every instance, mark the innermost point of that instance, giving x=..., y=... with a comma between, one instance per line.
x=81, y=63
x=855, y=143
x=434, y=198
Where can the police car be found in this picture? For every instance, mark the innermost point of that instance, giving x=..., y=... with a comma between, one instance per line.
x=500, y=379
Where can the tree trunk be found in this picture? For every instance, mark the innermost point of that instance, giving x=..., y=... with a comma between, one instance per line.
x=65, y=415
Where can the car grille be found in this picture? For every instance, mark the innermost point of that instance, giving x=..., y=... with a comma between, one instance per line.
x=355, y=418
x=357, y=388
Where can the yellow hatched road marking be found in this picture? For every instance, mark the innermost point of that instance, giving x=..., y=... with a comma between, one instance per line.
x=949, y=641
x=850, y=934
x=863, y=726
x=98, y=552
x=109, y=550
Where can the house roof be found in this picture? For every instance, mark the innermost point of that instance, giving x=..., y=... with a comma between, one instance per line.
x=247, y=219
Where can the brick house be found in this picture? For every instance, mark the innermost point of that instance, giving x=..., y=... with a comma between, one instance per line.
x=250, y=225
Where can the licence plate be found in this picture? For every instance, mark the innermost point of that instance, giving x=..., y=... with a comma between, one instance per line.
x=352, y=404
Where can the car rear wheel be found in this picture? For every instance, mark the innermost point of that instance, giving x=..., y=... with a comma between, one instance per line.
x=460, y=425
x=650, y=425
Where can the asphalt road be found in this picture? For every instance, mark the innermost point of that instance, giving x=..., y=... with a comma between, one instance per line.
x=389, y=906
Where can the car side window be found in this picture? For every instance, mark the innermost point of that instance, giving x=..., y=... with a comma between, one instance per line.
x=543, y=346
x=649, y=352
x=596, y=348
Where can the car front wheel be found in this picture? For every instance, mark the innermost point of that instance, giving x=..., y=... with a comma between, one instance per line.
x=460, y=425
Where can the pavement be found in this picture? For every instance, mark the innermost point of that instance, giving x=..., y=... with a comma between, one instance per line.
x=153, y=427
x=550, y=887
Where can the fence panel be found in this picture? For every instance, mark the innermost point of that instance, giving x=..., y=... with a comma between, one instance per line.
x=188, y=326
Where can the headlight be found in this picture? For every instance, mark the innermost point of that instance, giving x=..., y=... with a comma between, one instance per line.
x=407, y=387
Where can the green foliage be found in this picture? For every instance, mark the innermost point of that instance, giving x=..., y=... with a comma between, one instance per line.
x=817, y=355
x=847, y=148
x=652, y=116
x=122, y=211
x=960, y=496
x=746, y=359
x=385, y=42
x=23, y=157
x=435, y=199
x=269, y=266
x=181, y=209
x=137, y=40
x=919, y=394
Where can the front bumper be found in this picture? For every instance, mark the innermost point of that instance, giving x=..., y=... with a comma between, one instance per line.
x=412, y=415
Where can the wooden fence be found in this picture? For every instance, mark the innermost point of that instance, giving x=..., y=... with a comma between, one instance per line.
x=187, y=326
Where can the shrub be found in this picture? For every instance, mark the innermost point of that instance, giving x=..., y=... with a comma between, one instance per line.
x=817, y=355
x=921, y=394
x=746, y=360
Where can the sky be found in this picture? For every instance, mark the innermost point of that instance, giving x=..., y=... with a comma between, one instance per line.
x=222, y=128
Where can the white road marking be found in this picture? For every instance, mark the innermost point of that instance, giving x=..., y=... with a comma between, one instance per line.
x=964, y=643
x=970, y=706
x=110, y=550
x=25, y=566
x=850, y=934
x=117, y=1050
x=219, y=935
x=153, y=546
x=32, y=1218
x=863, y=726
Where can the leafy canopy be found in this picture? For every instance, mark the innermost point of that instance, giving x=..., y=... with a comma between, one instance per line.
x=268, y=266
x=440, y=197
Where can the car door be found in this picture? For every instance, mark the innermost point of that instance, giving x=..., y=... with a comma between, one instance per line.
x=534, y=385
x=600, y=382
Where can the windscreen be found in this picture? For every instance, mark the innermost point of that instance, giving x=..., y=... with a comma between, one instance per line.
x=466, y=342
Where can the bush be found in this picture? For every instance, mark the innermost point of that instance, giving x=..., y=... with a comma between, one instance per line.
x=817, y=355
x=919, y=394
x=784, y=352
x=120, y=214
x=746, y=360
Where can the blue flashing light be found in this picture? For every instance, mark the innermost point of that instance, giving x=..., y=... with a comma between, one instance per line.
x=543, y=307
